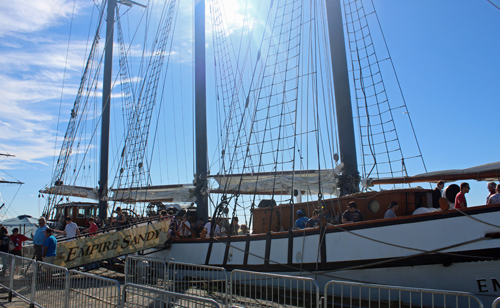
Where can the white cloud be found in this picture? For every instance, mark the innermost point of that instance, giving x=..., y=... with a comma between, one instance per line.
x=25, y=16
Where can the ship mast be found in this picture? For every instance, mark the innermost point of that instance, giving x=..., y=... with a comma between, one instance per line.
x=350, y=176
x=200, y=110
x=105, y=117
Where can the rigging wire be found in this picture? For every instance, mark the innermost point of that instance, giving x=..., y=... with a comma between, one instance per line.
x=62, y=88
x=400, y=88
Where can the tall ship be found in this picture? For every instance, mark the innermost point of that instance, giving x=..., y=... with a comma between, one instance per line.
x=296, y=116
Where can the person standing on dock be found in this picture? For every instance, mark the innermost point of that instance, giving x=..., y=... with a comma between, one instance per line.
x=49, y=247
x=460, y=201
x=437, y=194
x=4, y=247
x=39, y=238
x=18, y=240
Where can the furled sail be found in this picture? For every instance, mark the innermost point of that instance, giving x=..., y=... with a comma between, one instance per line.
x=163, y=193
x=486, y=172
x=306, y=181
x=72, y=191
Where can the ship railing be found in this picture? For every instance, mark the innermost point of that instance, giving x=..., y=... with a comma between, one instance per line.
x=200, y=280
x=253, y=289
x=87, y=290
x=146, y=271
x=142, y=296
x=354, y=294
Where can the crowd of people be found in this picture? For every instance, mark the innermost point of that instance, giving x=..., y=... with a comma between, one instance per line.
x=183, y=228
x=353, y=215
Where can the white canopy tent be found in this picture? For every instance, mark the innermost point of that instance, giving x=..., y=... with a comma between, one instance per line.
x=25, y=223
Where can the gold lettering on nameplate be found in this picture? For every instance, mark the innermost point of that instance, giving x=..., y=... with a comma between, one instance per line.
x=105, y=246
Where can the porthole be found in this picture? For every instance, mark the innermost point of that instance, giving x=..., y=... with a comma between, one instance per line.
x=373, y=206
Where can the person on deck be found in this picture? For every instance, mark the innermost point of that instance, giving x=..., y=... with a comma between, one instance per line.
x=243, y=230
x=39, y=238
x=164, y=215
x=391, y=212
x=460, y=201
x=198, y=227
x=234, y=227
x=71, y=230
x=495, y=199
x=300, y=223
x=120, y=220
x=492, y=189
x=92, y=229
x=208, y=228
x=352, y=214
x=313, y=222
x=437, y=194
x=223, y=231
x=185, y=227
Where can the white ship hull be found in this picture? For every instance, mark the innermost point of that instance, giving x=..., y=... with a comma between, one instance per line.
x=443, y=250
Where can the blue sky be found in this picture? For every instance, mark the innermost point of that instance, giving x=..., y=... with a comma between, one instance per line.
x=445, y=54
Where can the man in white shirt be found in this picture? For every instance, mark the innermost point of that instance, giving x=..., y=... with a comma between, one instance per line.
x=208, y=226
x=71, y=230
x=185, y=227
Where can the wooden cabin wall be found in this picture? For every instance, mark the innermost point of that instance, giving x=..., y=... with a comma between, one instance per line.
x=408, y=200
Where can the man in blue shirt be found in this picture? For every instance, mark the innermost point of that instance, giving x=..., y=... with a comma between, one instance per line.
x=49, y=247
x=39, y=238
x=352, y=214
x=300, y=223
x=314, y=221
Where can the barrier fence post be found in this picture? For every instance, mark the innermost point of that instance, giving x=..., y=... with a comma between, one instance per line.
x=33, y=284
x=11, y=277
x=67, y=289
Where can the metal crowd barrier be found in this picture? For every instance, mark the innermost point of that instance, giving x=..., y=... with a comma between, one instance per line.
x=495, y=302
x=353, y=294
x=6, y=279
x=146, y=271
x=251, y=289
x=24, y=271
x=200, y=280
x=87, y=290
x=28, y=251
x=50, y=285
x=135, y=296
x=47, y=285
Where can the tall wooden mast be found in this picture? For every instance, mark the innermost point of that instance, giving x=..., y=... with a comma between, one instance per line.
x=347, y=144
x=105, y=116
x=200, y=109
